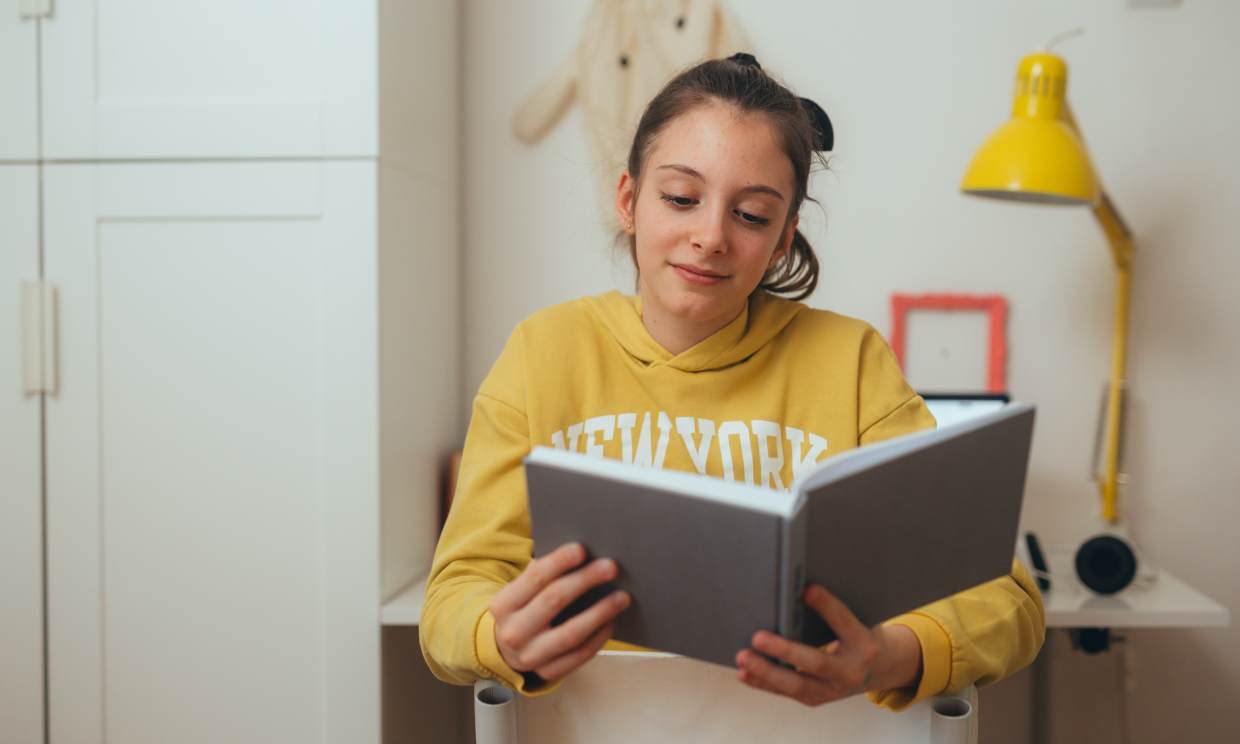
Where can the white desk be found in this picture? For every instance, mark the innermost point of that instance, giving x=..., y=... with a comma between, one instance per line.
x=1156, y=599
x=406, y=607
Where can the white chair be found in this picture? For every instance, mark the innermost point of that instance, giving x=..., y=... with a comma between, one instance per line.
x=655, y=698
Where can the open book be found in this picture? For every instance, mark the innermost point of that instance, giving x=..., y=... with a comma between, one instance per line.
x=887, y=527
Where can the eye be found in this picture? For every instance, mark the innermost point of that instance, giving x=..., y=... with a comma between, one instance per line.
x=752, y=219
x=680, y=201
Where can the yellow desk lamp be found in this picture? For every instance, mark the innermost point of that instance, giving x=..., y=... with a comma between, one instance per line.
x=1039, y=156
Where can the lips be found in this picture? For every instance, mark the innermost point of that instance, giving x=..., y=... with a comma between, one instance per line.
x=701, y=272
x=696, y=275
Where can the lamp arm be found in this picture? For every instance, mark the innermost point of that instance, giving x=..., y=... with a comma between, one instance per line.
x=1109, y=486
x=1118, y=235
x=1119, y=238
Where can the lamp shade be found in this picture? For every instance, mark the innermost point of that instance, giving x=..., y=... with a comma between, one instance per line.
x=1037, y=156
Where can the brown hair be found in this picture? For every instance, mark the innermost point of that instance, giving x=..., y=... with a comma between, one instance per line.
x=750, y=90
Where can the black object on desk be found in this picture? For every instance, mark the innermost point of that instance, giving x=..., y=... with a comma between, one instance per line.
x=1106, y=564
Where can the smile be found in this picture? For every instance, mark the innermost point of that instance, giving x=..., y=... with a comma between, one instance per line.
x=698, y=276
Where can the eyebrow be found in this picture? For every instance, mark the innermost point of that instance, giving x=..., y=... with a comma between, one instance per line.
x=757, y=187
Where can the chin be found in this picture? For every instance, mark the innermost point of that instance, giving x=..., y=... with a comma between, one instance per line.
x=698, y=305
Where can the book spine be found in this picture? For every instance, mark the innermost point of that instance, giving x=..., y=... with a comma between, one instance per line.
x=792, y=569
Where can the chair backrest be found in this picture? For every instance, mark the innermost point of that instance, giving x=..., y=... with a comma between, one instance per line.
x=655, y=698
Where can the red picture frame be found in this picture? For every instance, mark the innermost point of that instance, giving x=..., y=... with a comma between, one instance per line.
x=995, y=306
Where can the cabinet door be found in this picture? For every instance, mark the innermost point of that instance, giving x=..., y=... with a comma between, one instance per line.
x=19, y=82
x=209, y=78
x=212, y=455
x=21, y=489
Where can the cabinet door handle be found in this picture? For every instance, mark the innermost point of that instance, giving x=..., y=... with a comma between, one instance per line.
x=39, y=337
x=29, y=9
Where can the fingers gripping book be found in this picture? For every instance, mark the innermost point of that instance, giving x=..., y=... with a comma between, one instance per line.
x=887, y=527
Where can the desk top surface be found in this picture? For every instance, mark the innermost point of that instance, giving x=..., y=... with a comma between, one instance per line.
x=1155, y=599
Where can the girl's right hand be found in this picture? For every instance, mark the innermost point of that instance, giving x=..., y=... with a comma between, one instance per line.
x=524, y=608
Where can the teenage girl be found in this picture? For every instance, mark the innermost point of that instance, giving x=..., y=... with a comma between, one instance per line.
x=715, y=367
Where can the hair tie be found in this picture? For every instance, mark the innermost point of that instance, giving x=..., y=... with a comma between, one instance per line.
x=825, y=139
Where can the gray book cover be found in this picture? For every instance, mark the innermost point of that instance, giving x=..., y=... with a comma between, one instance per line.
x=887, y=527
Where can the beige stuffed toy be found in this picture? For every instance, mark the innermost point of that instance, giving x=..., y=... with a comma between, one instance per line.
x=628, y=51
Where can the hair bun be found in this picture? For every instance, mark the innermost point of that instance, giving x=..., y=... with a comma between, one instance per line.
x=822, y=125
x=748, y=60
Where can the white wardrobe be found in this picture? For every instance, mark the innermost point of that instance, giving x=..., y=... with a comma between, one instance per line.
x=229, y=359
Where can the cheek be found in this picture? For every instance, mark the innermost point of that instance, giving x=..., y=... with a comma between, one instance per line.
x=648, y=258
x=758, y=255
x=655, y=242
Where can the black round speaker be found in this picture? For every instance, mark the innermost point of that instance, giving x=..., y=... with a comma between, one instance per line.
x=1106, y=564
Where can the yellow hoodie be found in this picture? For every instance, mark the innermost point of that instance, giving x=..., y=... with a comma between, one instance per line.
x=781, y=387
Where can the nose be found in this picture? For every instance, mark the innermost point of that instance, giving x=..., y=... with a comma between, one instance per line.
x=709, y=232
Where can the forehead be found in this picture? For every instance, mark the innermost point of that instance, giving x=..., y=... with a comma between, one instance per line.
x=726, y=146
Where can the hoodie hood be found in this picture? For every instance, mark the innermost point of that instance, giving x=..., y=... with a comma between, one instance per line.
x=762, y=319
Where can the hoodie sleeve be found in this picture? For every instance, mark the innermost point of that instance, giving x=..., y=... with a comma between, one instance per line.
x=980, y=635
x=486, y=540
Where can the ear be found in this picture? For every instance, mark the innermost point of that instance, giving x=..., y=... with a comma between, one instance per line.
x=785, y=241
x=625, y=196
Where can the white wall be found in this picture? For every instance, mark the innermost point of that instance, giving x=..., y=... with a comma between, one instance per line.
x=913, y=88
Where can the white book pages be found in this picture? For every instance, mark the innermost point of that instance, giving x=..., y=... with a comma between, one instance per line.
x=709, y=488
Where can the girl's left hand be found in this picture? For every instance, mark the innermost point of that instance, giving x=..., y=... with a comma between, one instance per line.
x=860, y=659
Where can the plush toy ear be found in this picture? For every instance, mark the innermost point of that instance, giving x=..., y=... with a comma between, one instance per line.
x=822, y=124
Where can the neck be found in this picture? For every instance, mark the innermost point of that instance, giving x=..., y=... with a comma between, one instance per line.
x=677, y=334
